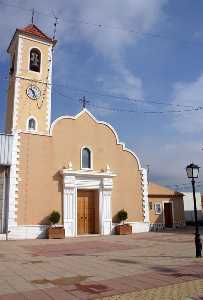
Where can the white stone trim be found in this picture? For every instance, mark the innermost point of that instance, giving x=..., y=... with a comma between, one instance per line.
x=19, y=56
x=16, y=99
x=15, y=105
x=137, y=227
x=98, y=122
x=105, y=213
x=145, y=195
x=74, y=180
x=49, y=87
x=13, y=182
x=21, y=232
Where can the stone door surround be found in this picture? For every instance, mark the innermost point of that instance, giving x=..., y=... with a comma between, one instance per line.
x=74, y=180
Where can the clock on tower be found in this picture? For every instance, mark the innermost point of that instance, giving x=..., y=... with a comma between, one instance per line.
x=29, y=92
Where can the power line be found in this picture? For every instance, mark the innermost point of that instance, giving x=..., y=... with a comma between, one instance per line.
x=120, y=110
x=188, y=108
x=102, y=26
x=144, y=112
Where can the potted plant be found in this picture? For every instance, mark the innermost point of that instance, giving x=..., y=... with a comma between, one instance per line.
x=123, y=228
x=55, y=231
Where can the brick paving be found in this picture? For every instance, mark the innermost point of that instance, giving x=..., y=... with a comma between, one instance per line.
x=142, y=266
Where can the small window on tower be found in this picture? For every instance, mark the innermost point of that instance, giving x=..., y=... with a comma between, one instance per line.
x=31, y=124
x=35, y=60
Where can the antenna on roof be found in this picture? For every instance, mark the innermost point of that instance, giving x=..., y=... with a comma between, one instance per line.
x=55, y=24
x=33, y=14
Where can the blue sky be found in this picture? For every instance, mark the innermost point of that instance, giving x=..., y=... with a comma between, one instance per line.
x=144, y=50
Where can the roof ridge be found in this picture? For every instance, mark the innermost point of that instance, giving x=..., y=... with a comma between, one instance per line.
x=32, y=29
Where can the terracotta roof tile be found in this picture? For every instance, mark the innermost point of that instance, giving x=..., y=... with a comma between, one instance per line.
x=33, y=30
x=156, y=189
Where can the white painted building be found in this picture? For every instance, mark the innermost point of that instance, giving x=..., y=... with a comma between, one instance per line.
x=189, y=206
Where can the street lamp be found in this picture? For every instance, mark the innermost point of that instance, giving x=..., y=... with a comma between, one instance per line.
x=192, y=173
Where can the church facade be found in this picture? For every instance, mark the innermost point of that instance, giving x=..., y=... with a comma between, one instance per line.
x=76, y=165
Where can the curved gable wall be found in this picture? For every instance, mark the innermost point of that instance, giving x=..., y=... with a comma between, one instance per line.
x=46, y=156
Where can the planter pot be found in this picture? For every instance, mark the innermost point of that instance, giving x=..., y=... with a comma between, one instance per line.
x=124, y=229
x=56, y=232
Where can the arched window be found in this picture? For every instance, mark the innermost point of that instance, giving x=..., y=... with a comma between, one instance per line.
x=35, y=60
x=86, y=158
x=32, y=124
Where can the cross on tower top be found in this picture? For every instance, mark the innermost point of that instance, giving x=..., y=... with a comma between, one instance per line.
x=84, y=102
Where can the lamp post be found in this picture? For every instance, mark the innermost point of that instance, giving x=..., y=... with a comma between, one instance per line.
x=192, y=173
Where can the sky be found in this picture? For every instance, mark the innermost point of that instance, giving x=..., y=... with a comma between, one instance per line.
x=138, y=62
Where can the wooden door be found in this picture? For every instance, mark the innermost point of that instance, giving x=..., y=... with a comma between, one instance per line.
x=86, y=212
x=168, y=214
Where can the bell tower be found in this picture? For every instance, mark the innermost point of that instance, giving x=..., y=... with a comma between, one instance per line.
x=30, y=81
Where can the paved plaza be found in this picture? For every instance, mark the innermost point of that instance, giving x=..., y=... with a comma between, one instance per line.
x=143, y=266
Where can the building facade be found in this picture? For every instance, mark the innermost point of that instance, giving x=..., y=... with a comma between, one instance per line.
x=75, y=165
x=166, y=208
x=189, y=207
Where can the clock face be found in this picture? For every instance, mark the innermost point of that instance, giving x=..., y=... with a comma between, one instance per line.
x=33, y=92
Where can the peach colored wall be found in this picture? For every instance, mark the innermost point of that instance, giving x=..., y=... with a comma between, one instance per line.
x=27, y=107
x=42, y=157
x=178, y=208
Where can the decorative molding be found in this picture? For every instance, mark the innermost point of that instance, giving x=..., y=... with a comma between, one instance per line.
x=74, y=180
x=70, y=211
x=98, y=122
x=34, y=40
x=105, y=211
x=89, y=173
x=145, y=195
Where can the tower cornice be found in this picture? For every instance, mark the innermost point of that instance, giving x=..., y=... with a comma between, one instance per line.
x=34, y=32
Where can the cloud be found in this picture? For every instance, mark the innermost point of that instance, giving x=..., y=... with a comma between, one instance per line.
x=168, y=167
x=189, y=94
x=119, y=17
x=76, y=24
